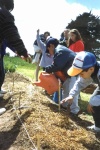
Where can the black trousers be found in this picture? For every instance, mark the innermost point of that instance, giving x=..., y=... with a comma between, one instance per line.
x=96, y=115
x=2, y=72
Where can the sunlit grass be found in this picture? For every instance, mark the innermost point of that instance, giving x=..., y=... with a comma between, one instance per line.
x=26, y=72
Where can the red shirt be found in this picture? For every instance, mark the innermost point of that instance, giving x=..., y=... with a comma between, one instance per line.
x=77, y=46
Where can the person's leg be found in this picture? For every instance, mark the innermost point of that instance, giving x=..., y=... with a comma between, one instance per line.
x=95, y=102
x=96, y=115
x=2, y=74
x=74, y=107
x=67, y=86
x=65, y=91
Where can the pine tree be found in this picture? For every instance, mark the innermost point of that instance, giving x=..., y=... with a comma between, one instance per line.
x=89, y=28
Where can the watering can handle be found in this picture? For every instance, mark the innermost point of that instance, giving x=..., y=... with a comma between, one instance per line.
x=45, y=73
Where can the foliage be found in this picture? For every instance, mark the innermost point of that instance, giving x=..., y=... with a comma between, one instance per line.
x=8, y=54
x=17, y=64
x=10, y=68
x=89, y=28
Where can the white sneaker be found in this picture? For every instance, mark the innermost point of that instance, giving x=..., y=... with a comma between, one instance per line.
x=3, y=92
x=1, y=95
x=93, y=127
x=2, y=110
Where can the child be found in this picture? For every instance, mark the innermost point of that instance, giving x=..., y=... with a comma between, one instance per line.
x=88, y=69
x=62, y=61
x=75, y=42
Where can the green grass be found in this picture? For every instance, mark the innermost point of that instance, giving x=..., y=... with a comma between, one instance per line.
x=84, y=100
x=83, y=104
x=23, y=67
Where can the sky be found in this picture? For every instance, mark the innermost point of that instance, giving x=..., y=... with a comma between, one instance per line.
x=48, y=15
x=88, y=3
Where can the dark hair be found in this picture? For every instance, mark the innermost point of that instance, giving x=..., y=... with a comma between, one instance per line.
x=88, y=68
x=85, y=70
x=53, y=41
x=47, y=33
x=8, y=4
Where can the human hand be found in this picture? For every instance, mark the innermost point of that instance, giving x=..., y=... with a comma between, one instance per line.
x=67, y=99
x=90, y=109
x=38, y=31
x=27, y=59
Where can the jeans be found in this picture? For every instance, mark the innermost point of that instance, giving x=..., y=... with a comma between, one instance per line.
x=67, y=86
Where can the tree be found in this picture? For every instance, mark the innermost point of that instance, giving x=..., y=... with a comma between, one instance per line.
x=89, y=27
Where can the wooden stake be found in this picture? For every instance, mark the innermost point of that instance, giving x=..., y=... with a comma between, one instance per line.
x=19, y=102
x=38, y=141
x=59, y=94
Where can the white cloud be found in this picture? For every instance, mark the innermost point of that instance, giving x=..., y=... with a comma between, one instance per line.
x=47, y=15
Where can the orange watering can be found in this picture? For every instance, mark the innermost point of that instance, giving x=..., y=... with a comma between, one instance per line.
x=48, y=81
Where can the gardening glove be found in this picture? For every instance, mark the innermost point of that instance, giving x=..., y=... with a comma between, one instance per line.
x=68, y=99
x=90, y=109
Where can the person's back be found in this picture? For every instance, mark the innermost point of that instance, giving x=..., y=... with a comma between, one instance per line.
x=63, y=58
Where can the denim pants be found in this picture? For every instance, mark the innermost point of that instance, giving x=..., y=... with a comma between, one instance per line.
x=67, y=86
x=2, y=72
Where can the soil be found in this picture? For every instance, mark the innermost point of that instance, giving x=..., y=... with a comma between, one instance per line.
x=32, y=121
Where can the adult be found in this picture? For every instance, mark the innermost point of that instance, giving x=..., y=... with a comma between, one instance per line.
x=64, y=37
x=9, y=37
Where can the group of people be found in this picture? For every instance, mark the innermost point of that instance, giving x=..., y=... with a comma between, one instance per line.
x=80, y=69
x=69, y=38
x=66, y=55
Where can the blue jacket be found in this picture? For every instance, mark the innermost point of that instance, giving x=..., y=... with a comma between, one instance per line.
x=62, y=60
x=4, y=45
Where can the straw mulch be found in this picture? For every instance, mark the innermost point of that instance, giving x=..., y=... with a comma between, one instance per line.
x=33, y=121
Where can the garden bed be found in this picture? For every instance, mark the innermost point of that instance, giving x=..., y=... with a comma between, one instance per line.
x=33, y=121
